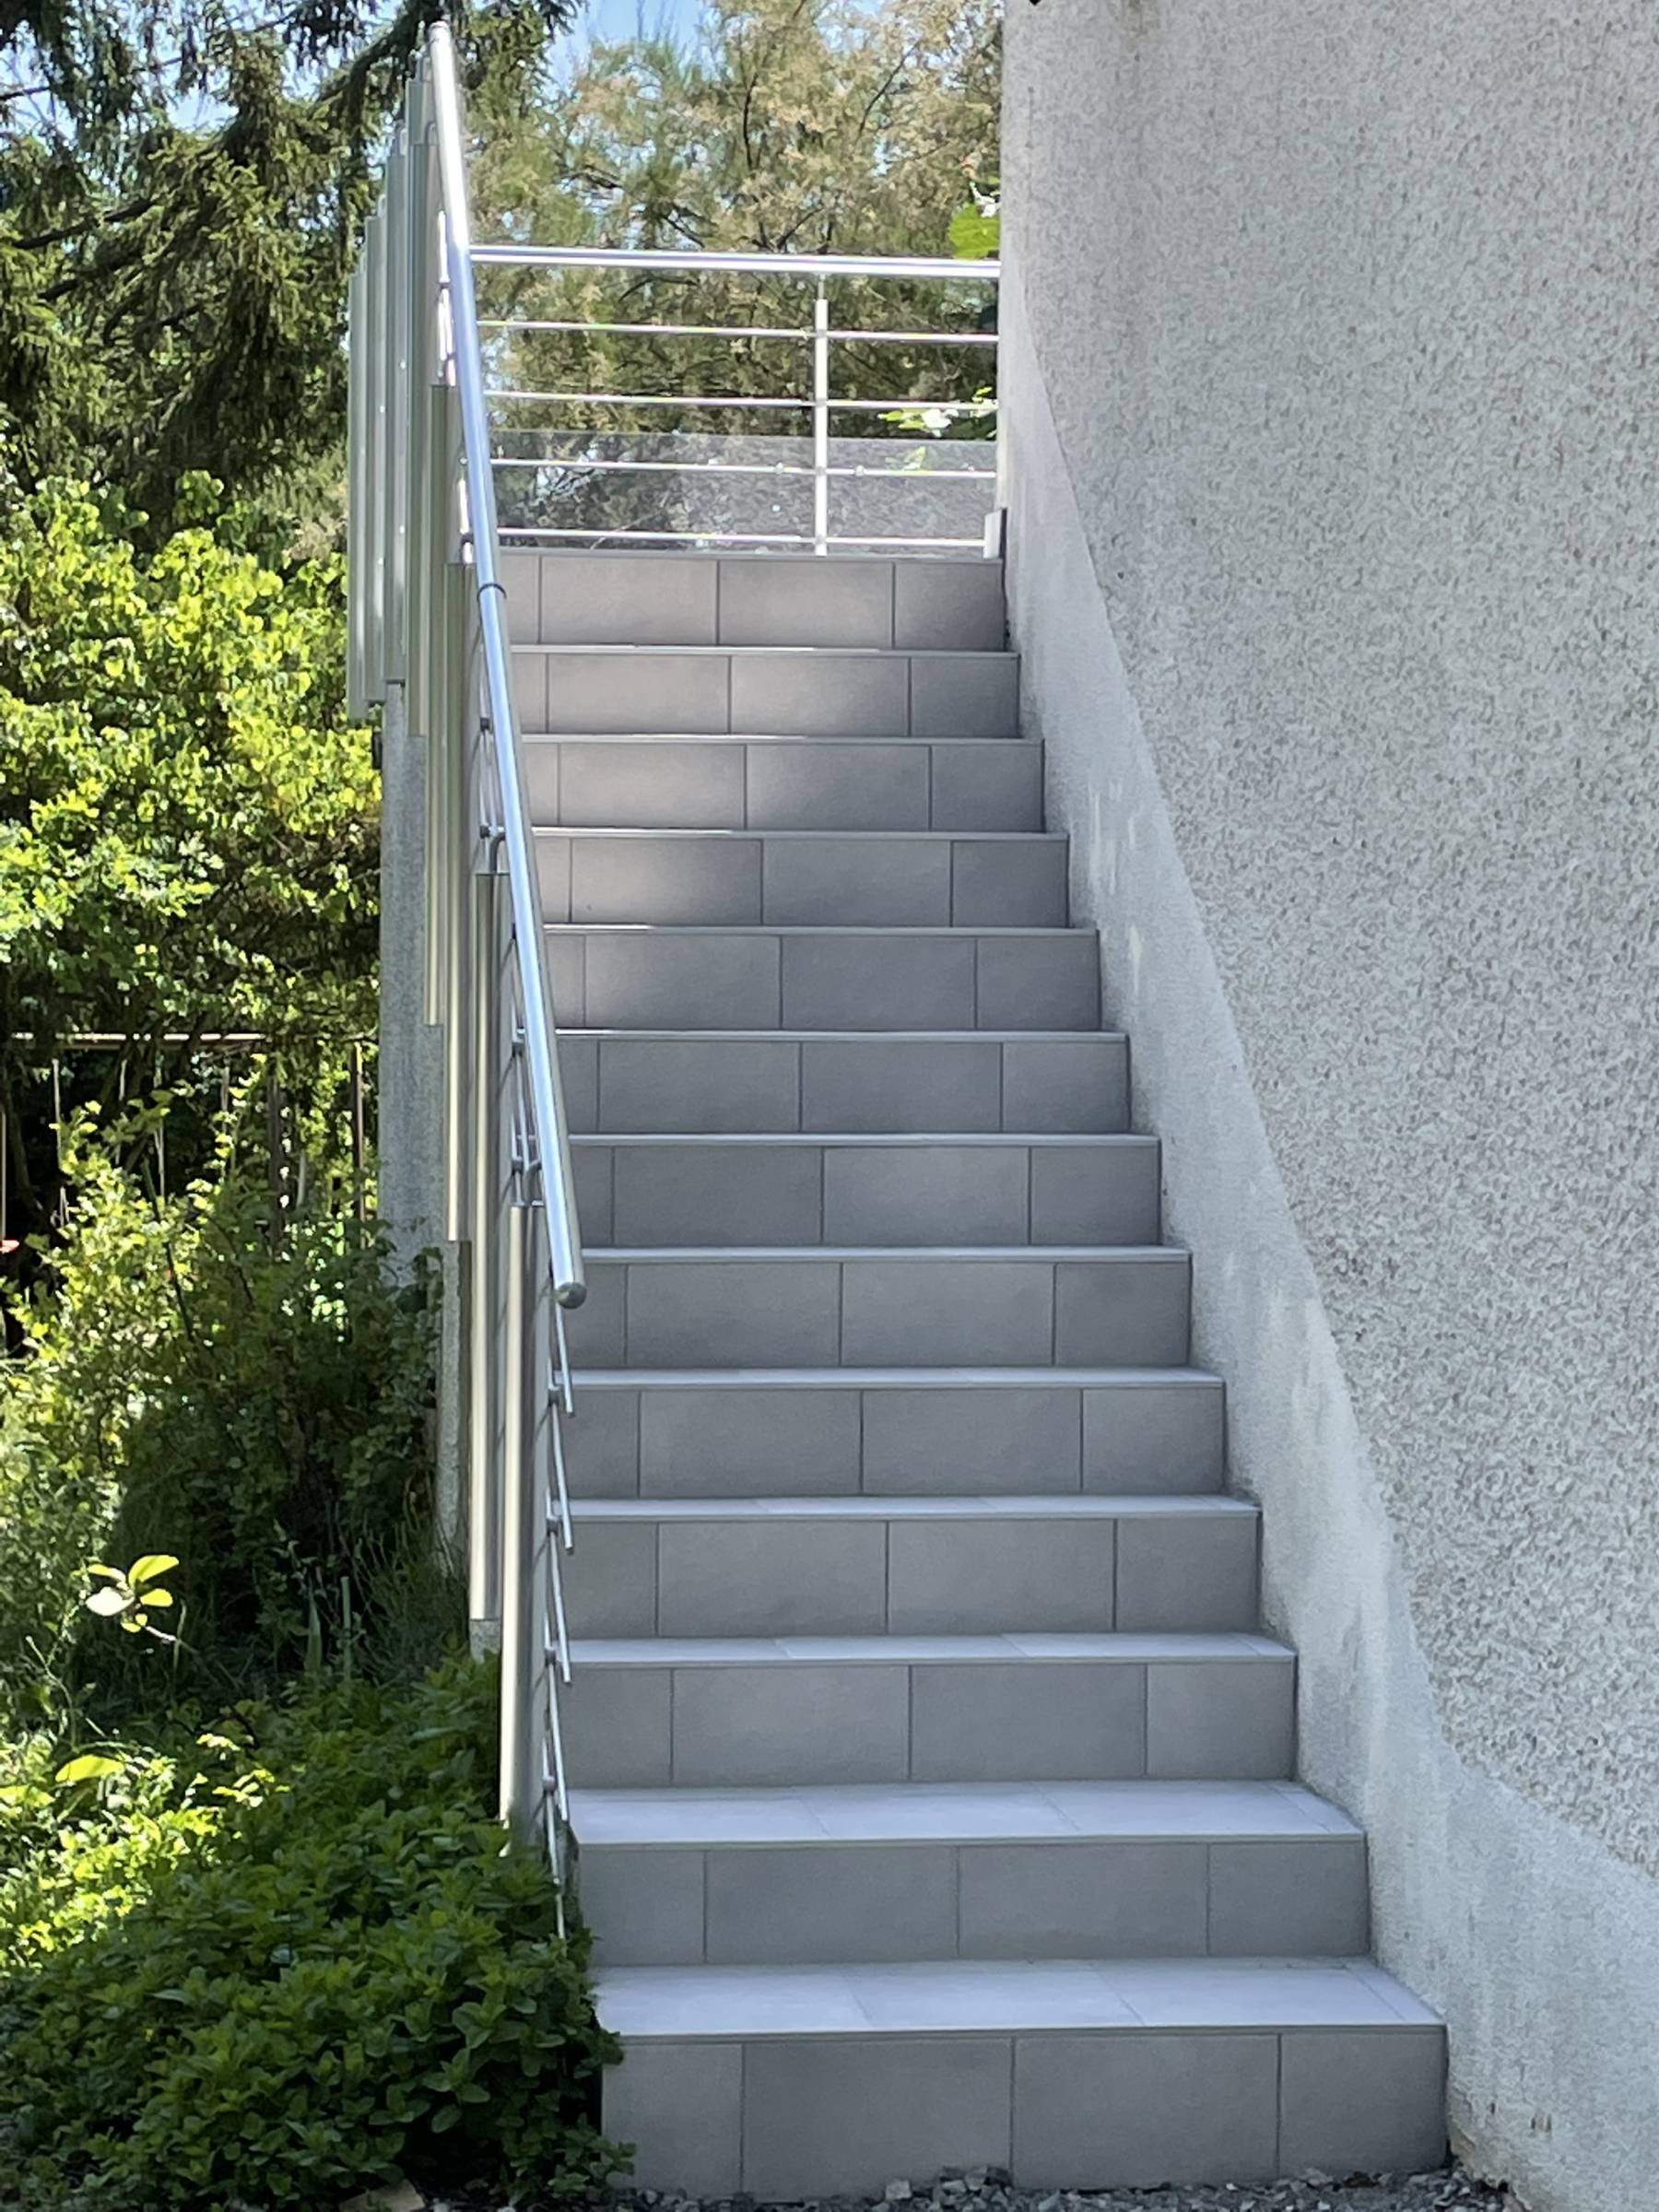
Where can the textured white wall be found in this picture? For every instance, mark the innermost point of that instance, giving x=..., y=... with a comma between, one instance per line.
x=1335, y=445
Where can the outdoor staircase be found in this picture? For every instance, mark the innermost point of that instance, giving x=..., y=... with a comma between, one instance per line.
x=932, y=1780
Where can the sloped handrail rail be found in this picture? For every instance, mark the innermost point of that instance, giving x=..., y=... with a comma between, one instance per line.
x=429, y=618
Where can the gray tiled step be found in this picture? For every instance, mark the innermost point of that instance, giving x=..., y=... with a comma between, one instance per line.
x=608, y=977
x=895, y=1433
x=830, y=1306
x=985, y=1870
x=785, y=783
x=789, y=691
x=900, y=1566
x=687, y=598
x=789, y=2082
x=746, y=1082
x=830, y=878
x=710, y=1713
x=867, y=1190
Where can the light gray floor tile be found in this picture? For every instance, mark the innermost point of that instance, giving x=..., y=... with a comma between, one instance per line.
x=747, y=1085
x=1187, y=1571
x=756, y=1578
x=680, y=2104
x=910, y=2096
x=1290, y=1897
x=773, y=602
x=1080, y=1900
x=1368, y=2103
x=903, y=1084
x=808, y=784
x=949, y=605
x=1123, y=2111
x=717, y=1195
x=936, y=1194
x=1001, y=1576
x=804, y=1905
x=624, y=783
x=666, y=880
x=1065, y=1084
x=1229, y=1719
x=821, y=694
x=713, y=1443
x=753, y=1313
x=626, y=599
x=1154, y=1436
x=946, y=1441
x=948, y=1312
x=868, y=982
x=1039, y=983
x=845, y=882
x=1027, y=1723
x=645, y=1907
x=765, y=1724
x=615, y=1725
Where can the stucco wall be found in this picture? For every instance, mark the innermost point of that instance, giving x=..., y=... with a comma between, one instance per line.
x=1334, y=448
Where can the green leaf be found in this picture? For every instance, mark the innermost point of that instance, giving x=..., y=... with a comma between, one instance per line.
x=91, y=1766
x=152, y=1564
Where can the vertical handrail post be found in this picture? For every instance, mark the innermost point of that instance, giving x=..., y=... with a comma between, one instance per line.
x=820, y=418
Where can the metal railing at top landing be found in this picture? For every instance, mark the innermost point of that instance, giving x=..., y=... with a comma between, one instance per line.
x=907, y=484
x=428, y=623
x=427, y=617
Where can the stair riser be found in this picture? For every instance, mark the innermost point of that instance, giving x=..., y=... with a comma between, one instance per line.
x=785, y=784
x=800, y=1311
x=732, y=1440
x=991, y=1575
x=685, y=598
x=741, y=1086
x=902, y=1194
x=844, y=1903
x=781, y=694
x=1028, y=1719
x=757, y=978
x=829, y=882
x=785, y=2117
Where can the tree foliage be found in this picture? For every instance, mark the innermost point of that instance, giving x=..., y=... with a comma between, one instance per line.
x=181, y=192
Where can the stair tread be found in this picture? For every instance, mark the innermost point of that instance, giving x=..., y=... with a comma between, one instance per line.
x=749, y=652
x=530, y=737
x=958, y=1812
x=892, y=1378
x=837, y=929
x=1037, y=1505
x=994, y=1996
x=907, y=1139
x=882, y=1037
x=721, y=829
x=1237, y=1647
x=1038, y=1254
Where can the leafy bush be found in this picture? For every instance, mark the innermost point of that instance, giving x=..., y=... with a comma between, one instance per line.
x=188, y=822
x=261, y=1413
x=302, y=1971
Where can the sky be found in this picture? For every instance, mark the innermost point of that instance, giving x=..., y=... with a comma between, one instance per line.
x=620, y=18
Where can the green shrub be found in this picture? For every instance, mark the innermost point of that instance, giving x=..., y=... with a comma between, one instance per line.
x=263, y=1414
x=307, y=1970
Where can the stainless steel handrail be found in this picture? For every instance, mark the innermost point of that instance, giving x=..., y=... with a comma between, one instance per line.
x=559, y=1187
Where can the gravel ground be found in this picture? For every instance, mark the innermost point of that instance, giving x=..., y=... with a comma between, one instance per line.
x=1448, y=2190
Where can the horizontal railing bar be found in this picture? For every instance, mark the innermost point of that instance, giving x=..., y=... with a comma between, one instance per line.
x=659, y=330
x=724, y=537
x=908, y=404
x=900, y=268
x=727, y=399
x=750, y=330
x=739, y=468
x=649, y=399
